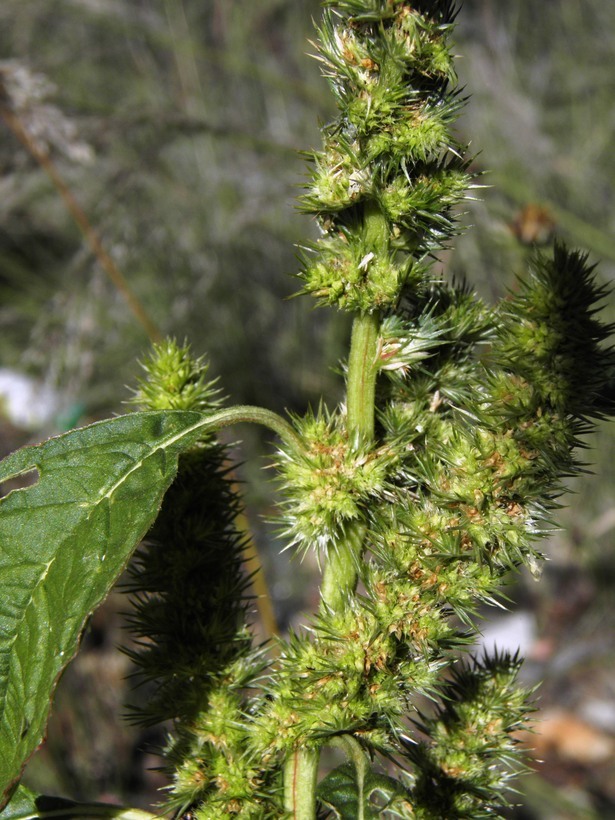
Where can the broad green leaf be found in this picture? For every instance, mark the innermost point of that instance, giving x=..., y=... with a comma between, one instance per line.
x=63, y=543
x=26, y=805
x=351, y=789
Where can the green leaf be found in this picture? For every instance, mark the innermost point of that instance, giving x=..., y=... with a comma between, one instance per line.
x=63, y=543
x=351, y=795
x=26, y=805
x=350, y=789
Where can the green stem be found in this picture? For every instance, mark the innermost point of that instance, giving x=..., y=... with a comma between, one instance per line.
x=256, y=415
x=341, y=571
x=363, y=359
x=300, y=776
x=362, y=371
x=342, y=568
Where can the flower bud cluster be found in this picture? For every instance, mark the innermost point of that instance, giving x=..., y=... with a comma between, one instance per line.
x=331, y=482
x=470, y=736
x=551, y=337
x=389, y=153
x=354, y=676
x=175, y=380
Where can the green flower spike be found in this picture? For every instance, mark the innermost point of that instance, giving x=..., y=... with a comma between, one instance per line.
x=390, y=173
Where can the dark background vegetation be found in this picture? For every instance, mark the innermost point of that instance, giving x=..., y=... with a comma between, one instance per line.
x=177, y=125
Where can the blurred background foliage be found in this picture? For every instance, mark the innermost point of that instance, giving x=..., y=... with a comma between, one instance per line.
x=177, y=126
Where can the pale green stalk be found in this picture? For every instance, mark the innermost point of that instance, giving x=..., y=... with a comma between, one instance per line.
x=256, y=415
x=300, y=778
x=341, y=570
x=340, y=575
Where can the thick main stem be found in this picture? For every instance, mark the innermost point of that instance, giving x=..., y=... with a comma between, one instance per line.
x=300, y=776
x=342, y=568
x=341, y=572
x=362, y=370
x=363, y=359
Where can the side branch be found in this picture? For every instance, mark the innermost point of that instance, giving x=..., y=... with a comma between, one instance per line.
x=256, y=415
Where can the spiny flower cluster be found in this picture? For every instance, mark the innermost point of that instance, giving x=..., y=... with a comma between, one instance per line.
x=331, y=482
x=551, y=338
x=175, y=380
x=390, y=172
x=482, y=436
x=479, y=412
x=190, y=601
x=470, y=737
